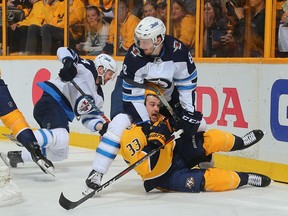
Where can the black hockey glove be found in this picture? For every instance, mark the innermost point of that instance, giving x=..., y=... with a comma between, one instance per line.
x=190, y=122
x=69, y=70
x=146, y=128
x=104, y=129
x=159, y=135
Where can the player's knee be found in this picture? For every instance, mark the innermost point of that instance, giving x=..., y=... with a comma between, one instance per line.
x=217, y=140
x=15, y=121
x=53, y=138
x=119, y=123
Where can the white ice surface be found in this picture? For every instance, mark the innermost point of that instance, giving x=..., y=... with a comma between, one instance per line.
x=127, y=197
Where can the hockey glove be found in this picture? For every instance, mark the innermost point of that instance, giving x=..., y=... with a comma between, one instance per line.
x=190, y=122
x=146, y=128
x=69, y=70
x=104, y=129
x=159, y=135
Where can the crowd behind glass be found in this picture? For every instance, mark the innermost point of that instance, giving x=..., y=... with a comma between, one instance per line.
x=225, y=28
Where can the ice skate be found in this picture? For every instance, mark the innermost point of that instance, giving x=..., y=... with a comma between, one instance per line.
x=258, y=180
x=45, y=164
x=252, y=137
x=12, y=158
x=93, y=181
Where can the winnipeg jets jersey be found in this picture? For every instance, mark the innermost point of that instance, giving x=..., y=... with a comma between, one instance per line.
x=71, y=100
x=174, y=67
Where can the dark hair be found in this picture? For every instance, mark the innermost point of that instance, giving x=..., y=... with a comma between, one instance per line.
x=162, y=5
x=152, y=3
x=182, y=5
x=217, y=7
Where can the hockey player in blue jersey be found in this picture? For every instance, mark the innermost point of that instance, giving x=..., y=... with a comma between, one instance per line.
x=61, y=102
x=156, y=58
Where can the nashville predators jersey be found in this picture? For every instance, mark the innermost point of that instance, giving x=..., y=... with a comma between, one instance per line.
x=134, y=146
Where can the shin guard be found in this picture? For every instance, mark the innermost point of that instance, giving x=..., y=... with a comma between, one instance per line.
x=217, y=179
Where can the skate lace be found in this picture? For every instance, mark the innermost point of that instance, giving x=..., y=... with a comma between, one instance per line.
x=254, y=180
x=249, y=138
x=96, y=178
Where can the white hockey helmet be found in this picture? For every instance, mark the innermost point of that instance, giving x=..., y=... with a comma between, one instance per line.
x=108, y=63
x=150, y=28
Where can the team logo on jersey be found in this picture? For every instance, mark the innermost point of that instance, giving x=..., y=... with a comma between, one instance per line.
x=136, y=52
x=83, y=105
x=163, y=83
x=190, y=182
x=177, y=45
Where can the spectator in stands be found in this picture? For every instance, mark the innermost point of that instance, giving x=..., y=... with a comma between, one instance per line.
x=150, y=9
x=98, y=30
x=183, y=24
x=105, y=6
x=127, y=22
x=216, y=25
x=162, y=11
x=20, y=29
x=33, y=43
x=283, y=32
x=191, y=6
x=253, y=37
x=53, y=32
x=24, y=5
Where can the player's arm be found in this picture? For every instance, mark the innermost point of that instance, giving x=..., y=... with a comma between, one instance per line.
x=94, y=122
x=133, y=97
x=185, y=78
x=69, y=59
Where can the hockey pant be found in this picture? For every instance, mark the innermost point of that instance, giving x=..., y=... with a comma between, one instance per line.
x=54, y=144
x=181, y=178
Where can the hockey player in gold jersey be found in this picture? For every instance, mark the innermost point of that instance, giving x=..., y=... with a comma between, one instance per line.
x=168, y=171
x=13, y=119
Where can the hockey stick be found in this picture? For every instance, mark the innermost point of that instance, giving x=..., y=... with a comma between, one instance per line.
x=67, y=204
x=90, y=102
x=12, y=138
x=159, y=94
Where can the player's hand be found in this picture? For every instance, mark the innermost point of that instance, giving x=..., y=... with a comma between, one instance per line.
x=104, y=129
x=159, y=135
x=190, y=122
x=69, y=70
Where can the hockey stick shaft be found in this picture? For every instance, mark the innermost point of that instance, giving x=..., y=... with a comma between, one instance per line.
x=67, y=204
x=90, y=102
x=159, y=94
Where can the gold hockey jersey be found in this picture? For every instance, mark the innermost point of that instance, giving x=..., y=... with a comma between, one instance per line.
x=133, y=143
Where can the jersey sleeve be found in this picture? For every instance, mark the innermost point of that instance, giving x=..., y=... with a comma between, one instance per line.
x=91, y=120
x=185, y=76
x=134, y=146
x=133, y=96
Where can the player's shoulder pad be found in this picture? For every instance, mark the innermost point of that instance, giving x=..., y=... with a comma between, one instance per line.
x=134, y=59
x=178, y=50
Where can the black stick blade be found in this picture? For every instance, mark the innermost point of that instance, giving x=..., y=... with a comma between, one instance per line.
x=65, y=203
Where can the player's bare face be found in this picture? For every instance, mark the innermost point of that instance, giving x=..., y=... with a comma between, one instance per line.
x=153, y=107
x=146, y=45
x=108, y=76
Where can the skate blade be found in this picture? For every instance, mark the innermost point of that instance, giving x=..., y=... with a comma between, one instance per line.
x=5, y=159
x=45, y=167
